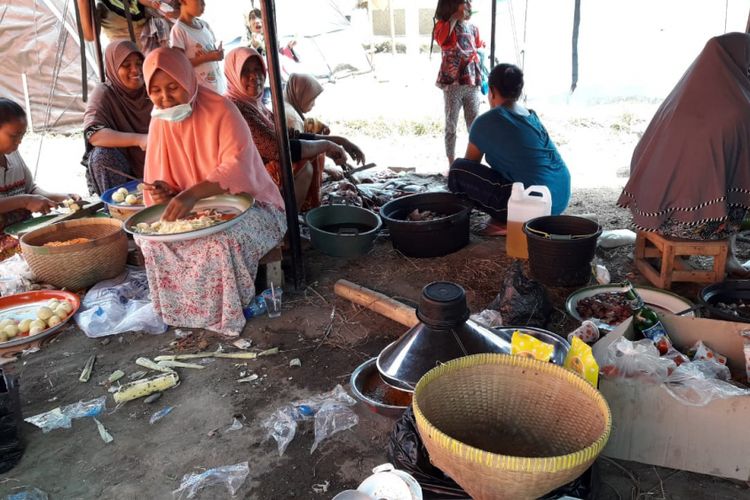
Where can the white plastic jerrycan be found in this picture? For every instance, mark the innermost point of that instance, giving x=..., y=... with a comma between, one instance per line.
x=524, y=205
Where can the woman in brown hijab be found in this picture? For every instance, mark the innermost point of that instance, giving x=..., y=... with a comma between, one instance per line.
x=299, y=95
x=245, y=72
x=116, y=121
x=690, y=172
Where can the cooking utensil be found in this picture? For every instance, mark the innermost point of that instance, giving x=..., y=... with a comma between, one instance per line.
x=728, y=291
x=227, y=203
x=429, y=238
x=343, y=230
x=353, y=170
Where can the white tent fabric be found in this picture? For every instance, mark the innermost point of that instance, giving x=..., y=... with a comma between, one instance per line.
x=39, y=40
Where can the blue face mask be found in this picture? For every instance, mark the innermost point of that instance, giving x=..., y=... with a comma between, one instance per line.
x=173, y=114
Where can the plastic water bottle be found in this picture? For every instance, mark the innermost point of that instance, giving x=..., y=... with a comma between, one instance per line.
x=256, y=308
x=524, y=205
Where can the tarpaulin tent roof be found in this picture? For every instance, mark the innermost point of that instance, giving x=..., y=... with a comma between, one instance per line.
x=40, y=41
x=326, y=43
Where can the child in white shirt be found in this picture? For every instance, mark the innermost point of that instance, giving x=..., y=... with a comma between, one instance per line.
x=196, y=39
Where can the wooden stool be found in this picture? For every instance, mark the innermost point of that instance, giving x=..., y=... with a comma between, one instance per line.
x=269, y=270
x=670, y=251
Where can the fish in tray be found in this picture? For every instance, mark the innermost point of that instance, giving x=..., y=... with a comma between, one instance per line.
x=199, y=219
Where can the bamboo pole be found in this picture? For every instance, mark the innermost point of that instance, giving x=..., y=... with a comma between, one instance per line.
x=377, y=302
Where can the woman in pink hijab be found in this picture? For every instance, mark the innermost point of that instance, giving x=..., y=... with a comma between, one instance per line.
x=199, y=146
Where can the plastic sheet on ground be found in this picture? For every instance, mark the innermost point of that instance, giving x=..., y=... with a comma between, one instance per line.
x=693, y=383
x=230, y=476
x=330, y=410
x=119, y=305
x=63, y=417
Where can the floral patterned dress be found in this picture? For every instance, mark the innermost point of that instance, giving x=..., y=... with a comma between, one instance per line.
x=206, y=282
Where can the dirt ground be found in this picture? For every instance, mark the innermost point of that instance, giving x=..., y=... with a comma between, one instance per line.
x=148, y=461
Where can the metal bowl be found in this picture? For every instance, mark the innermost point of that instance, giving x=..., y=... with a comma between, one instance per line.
x=381, y=398
x=561, y=345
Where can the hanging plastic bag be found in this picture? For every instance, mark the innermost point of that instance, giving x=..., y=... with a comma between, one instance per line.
x=231, y=476
x=485, y=86
x=119, y=305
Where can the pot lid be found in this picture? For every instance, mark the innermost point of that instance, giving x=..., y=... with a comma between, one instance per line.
x=443, y=304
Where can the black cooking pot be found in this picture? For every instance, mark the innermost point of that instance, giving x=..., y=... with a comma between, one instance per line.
x=429, y=238
x=343, y=230
x=728, y=292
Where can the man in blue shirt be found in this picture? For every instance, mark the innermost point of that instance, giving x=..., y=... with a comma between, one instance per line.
x=518, y=149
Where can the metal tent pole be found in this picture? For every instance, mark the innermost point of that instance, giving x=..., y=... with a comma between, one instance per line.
x=492, y=33
x=268, y=9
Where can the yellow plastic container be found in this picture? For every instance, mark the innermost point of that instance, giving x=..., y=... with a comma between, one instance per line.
x=524, y=205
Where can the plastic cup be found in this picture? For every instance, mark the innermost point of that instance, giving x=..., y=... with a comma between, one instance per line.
x=273, y=302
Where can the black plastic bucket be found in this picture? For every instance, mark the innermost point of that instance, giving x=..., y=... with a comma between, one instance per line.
x=343, y=230
x=11, y=447
x=430, y=238
x=561, y=248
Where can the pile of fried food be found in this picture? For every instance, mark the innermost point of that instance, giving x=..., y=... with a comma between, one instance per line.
x=47, y=316
x=65, y=243
x=124, y=197
x=199, y=219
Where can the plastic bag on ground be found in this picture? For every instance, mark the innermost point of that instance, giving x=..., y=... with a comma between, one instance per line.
x=231, y=476
x=28, y=494
x=522, y=301
x=15, y=276
x=330, y=410
x=488, y=318
x=332, y=417
x=119, y=305
x=63, y=417
x=612, y=238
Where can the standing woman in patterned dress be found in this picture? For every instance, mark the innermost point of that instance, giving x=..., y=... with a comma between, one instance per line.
x=460, y=75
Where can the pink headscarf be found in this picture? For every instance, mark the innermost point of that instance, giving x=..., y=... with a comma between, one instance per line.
x=233, y=63
x=213, y=144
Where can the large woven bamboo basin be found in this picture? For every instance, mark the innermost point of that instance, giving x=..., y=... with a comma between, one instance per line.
x=509, y=427
x=79, y=265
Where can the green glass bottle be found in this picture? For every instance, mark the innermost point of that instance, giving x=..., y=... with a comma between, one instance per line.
x=646, y=321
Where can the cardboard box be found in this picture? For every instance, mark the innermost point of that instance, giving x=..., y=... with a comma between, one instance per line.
x=652, y=427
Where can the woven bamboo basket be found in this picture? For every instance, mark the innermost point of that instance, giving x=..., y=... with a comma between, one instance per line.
x=79, y=265
x=509, y=427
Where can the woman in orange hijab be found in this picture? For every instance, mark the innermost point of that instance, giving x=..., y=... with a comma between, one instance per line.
x=199, y=146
